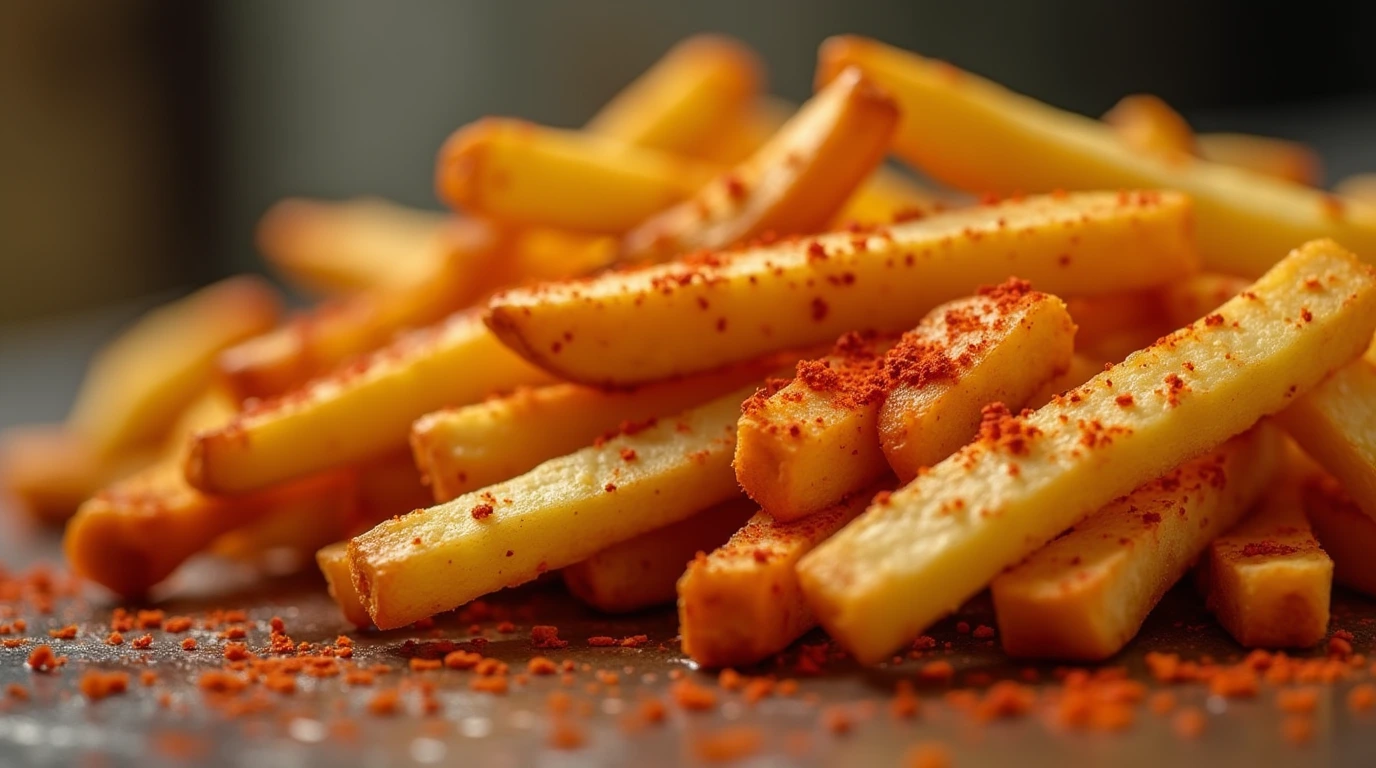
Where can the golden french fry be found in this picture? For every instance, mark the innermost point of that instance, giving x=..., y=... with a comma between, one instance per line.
x=644, y=571
x=333, y=561
x=918, y=554
x=1197, y=295
x=359, y=412
x=1085, y=595
x=51, y=471
x=682, y=104
x=886, y=197
x=751, y=129
x=137, y=386
x=1345, y=532
x=559, y=513
x=1112, y=327
x=1278, y=158
x=975, y=135
x=794, y=184
x=1361, y=186
x=352, y=245
x=1148, y=124
x=742, y=602
x=1267, y=580
x=1082, y=368
x=628, y=327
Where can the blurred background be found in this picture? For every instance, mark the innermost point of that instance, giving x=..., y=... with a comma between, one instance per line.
x=141, y=139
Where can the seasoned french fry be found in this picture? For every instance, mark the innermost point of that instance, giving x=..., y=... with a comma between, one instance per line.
x=1085, y=595
x=699, y=90
x=51, y=471
x=1278, y=158
x=644, y=571
x=559, y=513
x=1148, y=124
x=742, y=602
x=355, y=245
x=1197, y=295
x=918, y=554
x=1082, y=368
x=138, y=385
x=1361, y=186
x=1267, y=580
x=888, y=196
x=633, y=326
x=523, y=174
x=794, y=184
x=333, y=561
x=1345, y=532
x=464, y=449
x=357, y=413
x=1112, y=327
x=974, y=135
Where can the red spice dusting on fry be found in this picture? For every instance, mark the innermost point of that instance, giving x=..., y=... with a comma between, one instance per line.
x=481, y=511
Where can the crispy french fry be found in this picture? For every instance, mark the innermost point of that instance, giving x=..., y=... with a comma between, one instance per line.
x=794, y=184
x=464, y=449
x=1112, y=327
x=523, y=174
x=51, y=471
x=1197, y=295
x=644, y=571
x=333, y=561
x=138, y=385
x=360, y=412
x=1148, y=124
x=641, y=325
x=352, y=245
x=1085, y=595
x=975, y=135
x=1361, y=186
x=699, y=90
x=918, y=554
x=742, y=602
x=559, y=513
x=1267, y=580
x=1003, y=346
x=1345, y=532
x=1279, y=158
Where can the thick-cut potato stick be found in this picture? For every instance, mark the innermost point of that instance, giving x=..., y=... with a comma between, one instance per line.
x=751, y=130
x=523, y=174
x=51, y=471
x=1267, y=580
x=360, y=412
x=644, y=571
x=559, y=513
x=465, y=449
x=1002, y=348
x=1085, y=595
x=742, y=602
x=1278, y=158
x=698, y=314
x=699, y=90
x=1346, y=533
x=333, y=561
x=918, y=554
x=794, y=184
x=1082, y=368
x=977, y=136
x=1148, y=124
x=1197, y=295
x=355, y=245
x=1111, y=327
x=1361, y=186
x=888, y=196
x=138, y=385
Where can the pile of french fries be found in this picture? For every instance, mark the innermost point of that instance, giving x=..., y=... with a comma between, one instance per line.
x=712, y=349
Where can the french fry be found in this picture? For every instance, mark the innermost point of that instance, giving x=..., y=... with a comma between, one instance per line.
x=918, y=554
x=886, y=197
x=1278, y=158
x=348, y=246
x=1112, y=327
x=1082, y=368
x=523, y=174
x=1148, y=124
x=561, y=512
x=741, y=603
x=465, y=449
x=794, y=184
x=628, y=327
x=1197, y=295
x=976, y=136
x=1345, y=532
x=644, y=571
x=333, y=561
x=1361, y=186
x=699, y=90
x=1267, y=580
x=137, y=386
x=358, y=413
x=51, y=471
x=1003, y=346
x=1085, y=595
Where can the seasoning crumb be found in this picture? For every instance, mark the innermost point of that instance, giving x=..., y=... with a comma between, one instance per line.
x=693, y=697
x=728, y=744
x=545, y=636
x=1189, y=723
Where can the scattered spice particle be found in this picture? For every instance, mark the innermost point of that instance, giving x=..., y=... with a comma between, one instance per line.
x=602, y=641
x=492, y=685
x=64, y=633
x=114, y=638
x=693, y=697
x=983, y=632
x=1189, y=723
x=96, y=685
x=425, y=665
x=1297, y=701
x=189, y=644
x=142, y=643
x=148, y=678
x=17, y=692
x=481, y=511
x=728, y=744
x=541, y=665
x=937, y=672
x=904, y=705
x=1362, y=697
x=42, y=659
x=566, y=734
x=506, y=627
x=384, y=703
x=1298, y=729
x=177, y=624
x=634, y=641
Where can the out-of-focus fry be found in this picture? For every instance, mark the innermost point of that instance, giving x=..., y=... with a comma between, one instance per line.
x=333, y=561
x=919, y=553
x=559, y=513
x=1085, y=595
x=793, y=184
x=741, y=603
x=352, y=245
x=697, y=314
x=464, y=449
x=1112, y=327
x=888, y=196
x=1149, y=124
x=1267, y=580
x=699, y=90
x=138, y=385
x=1361, y=186
x=644, y=571
x=751, y=130
x=1346, y=533
x=523, y=174
x=359, y=412
x=1197, y=295
x=1278, y=158
x=977, y=136
x=51, y=471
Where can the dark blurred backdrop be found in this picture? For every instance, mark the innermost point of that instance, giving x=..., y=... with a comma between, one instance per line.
x=141, y=139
